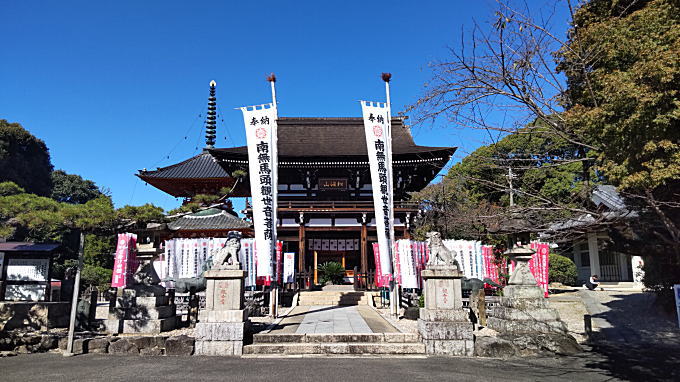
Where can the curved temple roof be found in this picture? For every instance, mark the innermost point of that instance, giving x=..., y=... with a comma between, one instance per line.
x=338, y=141
x=210, y=219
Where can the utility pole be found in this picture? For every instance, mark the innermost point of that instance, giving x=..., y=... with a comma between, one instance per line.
x=444, y=212
x=511, y=176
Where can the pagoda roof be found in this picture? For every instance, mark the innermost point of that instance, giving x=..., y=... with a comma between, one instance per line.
x=212, y=219
x=332, y=137
x=196, y=175
x=200, y=166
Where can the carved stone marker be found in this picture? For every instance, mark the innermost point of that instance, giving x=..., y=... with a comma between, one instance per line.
x=444, y=325
x=222, y=324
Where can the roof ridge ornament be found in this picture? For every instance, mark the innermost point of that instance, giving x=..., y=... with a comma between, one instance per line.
x=211, y=118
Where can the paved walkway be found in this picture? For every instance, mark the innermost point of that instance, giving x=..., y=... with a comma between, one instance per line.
x=351, y=319
x=327, y=319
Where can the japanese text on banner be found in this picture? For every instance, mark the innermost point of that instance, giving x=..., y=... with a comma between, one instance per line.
x=379, y=145
x=261, y=134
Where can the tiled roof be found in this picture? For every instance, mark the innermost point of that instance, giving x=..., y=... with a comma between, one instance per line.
x=200, y=166
x=16, y=246
x=209, y=219
x=333, y=137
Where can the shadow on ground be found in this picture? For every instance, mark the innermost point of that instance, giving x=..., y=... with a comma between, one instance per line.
x=639, y=340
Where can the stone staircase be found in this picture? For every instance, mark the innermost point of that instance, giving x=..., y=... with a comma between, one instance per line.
x=333, y=298
x=396, y=344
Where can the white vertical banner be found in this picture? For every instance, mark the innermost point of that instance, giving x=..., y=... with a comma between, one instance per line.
x=261, y=129
x=289, y=267
x=379, y=144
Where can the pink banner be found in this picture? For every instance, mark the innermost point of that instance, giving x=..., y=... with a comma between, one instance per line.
x=279, y=261
x=378, y=271
x=125, y=262
x=397, y=261
x=539, y=265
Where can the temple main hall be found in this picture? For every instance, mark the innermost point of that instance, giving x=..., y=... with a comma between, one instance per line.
x=325, y=200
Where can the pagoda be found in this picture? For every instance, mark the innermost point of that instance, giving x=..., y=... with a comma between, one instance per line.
x=325, y=199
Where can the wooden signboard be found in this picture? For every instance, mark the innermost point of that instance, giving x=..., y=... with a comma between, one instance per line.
x=332, y=184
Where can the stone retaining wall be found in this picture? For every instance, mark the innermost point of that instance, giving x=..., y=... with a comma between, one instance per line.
x=140, y=345
x=22, y=342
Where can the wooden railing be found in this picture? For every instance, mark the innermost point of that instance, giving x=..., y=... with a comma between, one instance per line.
x=364, y=280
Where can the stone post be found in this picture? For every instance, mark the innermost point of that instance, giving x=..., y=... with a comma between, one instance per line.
x=444, y=325
x=222, y=324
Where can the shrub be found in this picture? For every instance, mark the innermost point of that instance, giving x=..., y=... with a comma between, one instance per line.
x=332, y=272
x=96, y=276
x=562, y=270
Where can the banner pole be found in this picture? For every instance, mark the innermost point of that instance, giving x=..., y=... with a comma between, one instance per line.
x=274, y=297
x=394, y=290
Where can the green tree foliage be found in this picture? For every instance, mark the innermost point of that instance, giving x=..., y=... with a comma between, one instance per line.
x=98, y=250
x=561, y=270
x=550, y=180
x=140, y=214
x=69, y=188
x=623, y=73
x=626, y=99
x=96, y=276
x=24, y=159
x=10, y=188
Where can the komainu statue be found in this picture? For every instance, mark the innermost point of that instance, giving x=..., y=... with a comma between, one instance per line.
x=227, y=257
x=439, y=254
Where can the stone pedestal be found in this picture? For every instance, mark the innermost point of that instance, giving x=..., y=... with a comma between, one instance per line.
x=222, y=324
x=141, y=309
x=524, y=322
x=444, y=325
x=523, y=307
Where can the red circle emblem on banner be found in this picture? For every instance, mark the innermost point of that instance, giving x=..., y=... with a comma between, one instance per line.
x=260, y=133
x=377, y=131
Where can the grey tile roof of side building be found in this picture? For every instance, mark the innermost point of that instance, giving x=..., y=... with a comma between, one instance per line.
x=18, y=246
x=209, y=219
x=603, y=195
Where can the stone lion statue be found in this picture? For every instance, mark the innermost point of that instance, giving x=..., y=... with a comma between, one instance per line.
x=439, y=254
x=227, y=256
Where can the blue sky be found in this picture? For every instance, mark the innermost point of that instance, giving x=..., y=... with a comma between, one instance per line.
x=113, y=87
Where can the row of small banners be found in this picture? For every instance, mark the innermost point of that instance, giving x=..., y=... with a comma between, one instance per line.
x=185, y=258
x=474, y=260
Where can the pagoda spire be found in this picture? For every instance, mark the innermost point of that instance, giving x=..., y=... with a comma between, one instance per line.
x=211, y=118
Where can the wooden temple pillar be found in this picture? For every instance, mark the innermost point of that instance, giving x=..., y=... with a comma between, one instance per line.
x=407, y=226
x=364, y=245
x=301, y=243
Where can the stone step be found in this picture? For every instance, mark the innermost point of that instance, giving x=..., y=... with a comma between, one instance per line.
x=332, y=294
x=396, y=348
x=333, y=298
x=268, y=338
x=331, y=302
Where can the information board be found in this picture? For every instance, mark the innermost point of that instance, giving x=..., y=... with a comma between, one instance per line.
x=27, y=269
x=25, y=292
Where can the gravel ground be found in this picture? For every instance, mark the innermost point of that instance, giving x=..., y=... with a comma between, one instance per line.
x=571, y=311
x=404, y=325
